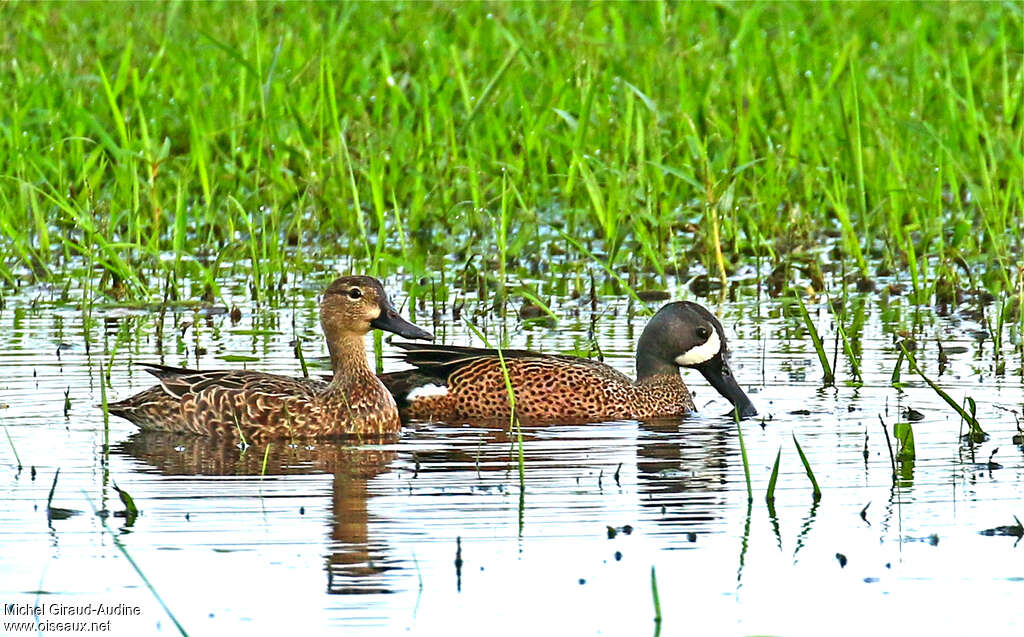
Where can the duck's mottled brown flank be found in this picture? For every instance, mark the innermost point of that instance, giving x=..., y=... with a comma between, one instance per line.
x=470, y=384
x=263, y=406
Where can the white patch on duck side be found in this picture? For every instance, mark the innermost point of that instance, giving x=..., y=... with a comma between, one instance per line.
x=701, y=353
x=426, y=391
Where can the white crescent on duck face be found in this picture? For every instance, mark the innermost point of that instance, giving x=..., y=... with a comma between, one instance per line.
x=263, y=406
x=465, y=383
x=701, y=353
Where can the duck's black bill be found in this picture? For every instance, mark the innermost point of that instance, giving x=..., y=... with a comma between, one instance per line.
x=390, y=321
x=717, y=372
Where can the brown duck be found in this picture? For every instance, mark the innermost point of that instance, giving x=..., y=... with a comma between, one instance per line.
x=455, y=383
x=263, y=406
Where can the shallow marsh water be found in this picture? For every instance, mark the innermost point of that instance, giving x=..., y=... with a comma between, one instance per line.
x=436, y=534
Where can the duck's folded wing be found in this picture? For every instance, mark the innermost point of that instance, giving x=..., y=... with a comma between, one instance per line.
x=443, y=361
x=179, y=382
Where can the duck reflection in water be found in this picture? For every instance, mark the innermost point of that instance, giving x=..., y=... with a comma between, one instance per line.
x=356, y=562
x=682, y=464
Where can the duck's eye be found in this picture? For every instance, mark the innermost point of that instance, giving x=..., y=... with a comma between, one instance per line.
x=355, y=294
x=703, y=332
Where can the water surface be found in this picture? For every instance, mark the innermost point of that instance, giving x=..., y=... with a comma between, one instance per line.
x=438, y=533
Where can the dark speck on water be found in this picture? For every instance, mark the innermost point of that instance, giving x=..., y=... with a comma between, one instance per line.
x=653, y=295
x=912, y=414
x=864, y=284
x=530, y=311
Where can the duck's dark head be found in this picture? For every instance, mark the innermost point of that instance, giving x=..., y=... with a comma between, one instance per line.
x=358, y=304
x=685, y=334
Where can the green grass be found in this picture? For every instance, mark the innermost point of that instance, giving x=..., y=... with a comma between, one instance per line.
x=654, y=596
x=816, y=490
x=770, y=494
x=14, y=450
x=124, y=551
x=975, y=431
x=828, y=377
x=743, y=456
x=398, y=136
x=904, y=432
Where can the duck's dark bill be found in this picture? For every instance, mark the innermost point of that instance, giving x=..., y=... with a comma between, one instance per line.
x=390, y=321
x=717, y=372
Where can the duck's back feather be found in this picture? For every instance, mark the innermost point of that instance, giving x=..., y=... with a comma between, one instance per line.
x=441, y=361
x=178, y=382
x=470, y=383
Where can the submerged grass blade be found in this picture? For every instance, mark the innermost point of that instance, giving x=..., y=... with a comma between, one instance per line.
x=829, y=376
x=746, y=463
x=976, y=433
x=847, y=347
x=654, y=594
x=301, y=357
x=888, y=443
x=15, y=451
x=263, y=466
x=533, y=298
x=513, y=424
x=807, y=468
x=904, y=433
x=238, y=428
x=57, y=513
x=126, y=500
x=770, y=495
x=145, y=580
x=895, y=379
x=130, y=510
x=53, y=487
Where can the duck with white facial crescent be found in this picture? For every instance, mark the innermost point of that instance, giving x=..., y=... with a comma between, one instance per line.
x=467, y=383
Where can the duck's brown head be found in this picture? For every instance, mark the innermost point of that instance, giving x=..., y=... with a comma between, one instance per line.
x=354, y=305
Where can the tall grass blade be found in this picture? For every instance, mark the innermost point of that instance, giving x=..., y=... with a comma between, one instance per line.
x=770, y=495
x=976, y=433
x=895, y=379
x=263, y=466
x=130, y=510
x=493, y=83
x=145, y=580
x=654, y=594
x=847, y=347
x=513, y=424
x=807, y=468
x=13, y=450
x=904, y=433
x=746, y=463
x=829, y=377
